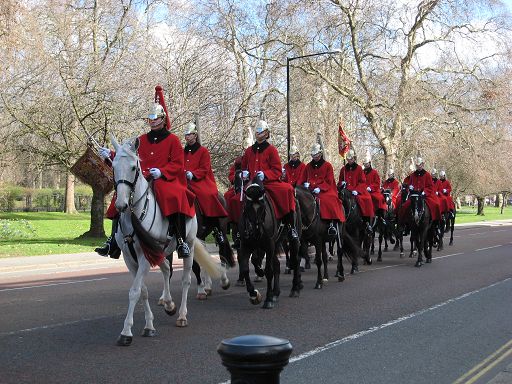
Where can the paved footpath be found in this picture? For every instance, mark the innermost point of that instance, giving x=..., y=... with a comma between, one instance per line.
x=35, y=268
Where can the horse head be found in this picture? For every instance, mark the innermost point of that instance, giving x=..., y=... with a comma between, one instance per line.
x=127, y=171
x=254, y=209
x=417, y=206
x=347, y=198
x=387, y=197
x=238, y=183
x=255, y=191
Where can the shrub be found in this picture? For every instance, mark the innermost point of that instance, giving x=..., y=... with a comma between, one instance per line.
x=15, y=228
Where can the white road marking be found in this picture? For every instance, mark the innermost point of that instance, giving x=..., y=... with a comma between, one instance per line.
x=51, y=285
x=368, y=331
x=453, y=254
x=483, y=249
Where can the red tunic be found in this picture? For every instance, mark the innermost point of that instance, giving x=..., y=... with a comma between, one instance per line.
x=373, y=181
x=198, y=161
x=422, y=181
x=264, y=157
x=353, y=175
x=445, y=184
x=320, y=174
x=233, y=199
x=170, y=190
x=443, y=201
x=293, y=172
x=393, y=185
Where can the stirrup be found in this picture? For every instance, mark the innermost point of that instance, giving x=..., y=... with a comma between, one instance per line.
x=182, y=249
x=332, y=231
x=292, y=234
x=104, y=249
x=219, y=237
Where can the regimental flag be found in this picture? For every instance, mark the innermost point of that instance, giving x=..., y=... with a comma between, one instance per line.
x=159, y=98
x=343, y=141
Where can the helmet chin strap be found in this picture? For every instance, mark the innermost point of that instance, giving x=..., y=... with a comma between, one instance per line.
x=156, y=123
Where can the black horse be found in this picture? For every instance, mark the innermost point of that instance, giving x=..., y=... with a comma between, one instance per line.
x=419, y=220
x=219, y=228
x=315, y=232
x=261, y=231
x=450, y=224
x=386, y=229
x=356, y=226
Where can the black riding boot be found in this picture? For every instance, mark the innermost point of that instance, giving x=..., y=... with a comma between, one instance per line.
x=110, y=248
x=178, y=220
x=332, y=231
x=219, y=237
x=289, y=220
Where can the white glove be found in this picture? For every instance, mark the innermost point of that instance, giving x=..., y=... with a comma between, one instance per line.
x=354, y=193
x=423, y=194
x=245, y=174
x=368, y=189
x=411, y=188
x=437, y=193
x=316, y=190
x=104, y=152
x=260, y=175
x=155, y=173
x=444, y=190
x=189, y=175
x=306, y=184
x=283, y=171
x=343, y=184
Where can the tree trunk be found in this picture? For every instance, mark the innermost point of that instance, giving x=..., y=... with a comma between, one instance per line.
x=497, y=200
x=97, y=228
x=480, y=209
x=69, y=202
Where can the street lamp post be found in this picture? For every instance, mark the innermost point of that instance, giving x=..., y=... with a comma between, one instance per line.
x=288, y=60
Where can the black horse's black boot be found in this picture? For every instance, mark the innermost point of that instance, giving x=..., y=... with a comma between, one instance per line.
x=289, y=219
x=178, y=220
x=110, y=248
x=219, y=237
x=332, y=231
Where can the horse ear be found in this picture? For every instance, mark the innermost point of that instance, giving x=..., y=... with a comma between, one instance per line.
x=114, y=142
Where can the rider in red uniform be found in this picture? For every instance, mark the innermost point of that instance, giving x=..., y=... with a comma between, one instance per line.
x=443, y=201
x=233, y=201
x=161, y=159
x=292, y=171
x=373, y=187
x=392, y=184
x=261, y=160
x=201, y=182
x=352, y=177
x=318, y=177
x=445, y=188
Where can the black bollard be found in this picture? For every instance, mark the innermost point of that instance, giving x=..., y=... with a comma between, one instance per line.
x=255, y=359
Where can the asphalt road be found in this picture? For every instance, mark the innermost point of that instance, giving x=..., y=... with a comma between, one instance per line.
x=391, y=323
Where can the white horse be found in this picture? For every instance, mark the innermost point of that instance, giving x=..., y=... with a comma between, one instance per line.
x=143, y=235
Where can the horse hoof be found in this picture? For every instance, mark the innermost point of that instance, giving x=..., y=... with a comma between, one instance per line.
x=208, y=291
x=369, y=261
x=341, y=278
x=428, y=261
x=148, y=332
x=240, y=283
x=401, y=254
x=325, y=279
x=287, y=271
x=160, y=302
x=451, y=242
x=354, y=270
x=418, y=264
x=201, y=296
x=226, y=286
x=268, y=304
x=318, y=286
x=255, y=300
x=171, y=311
x=258, y=279
x=181, y=323
x=330, y=258
x=294, y=293
x=259, y=272
x=124, y=341
x=302, y=269
x=379, y=258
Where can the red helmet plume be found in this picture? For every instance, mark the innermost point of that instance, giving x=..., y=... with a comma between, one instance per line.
x=159, y=98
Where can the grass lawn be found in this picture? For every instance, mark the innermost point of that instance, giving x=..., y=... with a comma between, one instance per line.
x=45, y=233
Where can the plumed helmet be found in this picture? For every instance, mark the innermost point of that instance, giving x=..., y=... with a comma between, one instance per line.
x=261, y=127
x=351, y=155
x=442, y=174
x=367, y=158
x=419, y=161
x=316, y=149
x=190, y=128
x=391, y=172
x=434, y=172
x=294, y=150
x=156, y=111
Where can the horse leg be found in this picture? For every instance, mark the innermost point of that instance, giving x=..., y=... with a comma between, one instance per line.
x=324, y=261
x=379, y=257
x=166, y=299
x=125, y=338
x=149, y=329
x=294, y=265
x=207, y=283
x=243, y=263
x=181, y=321
x=372, y=243
x=452, y=226
x=240, y=281
x=224, y=279
x=366, y=243
x=257, y=260
x=318, y=262
x=286, y=249
x=420, y=239
x=201, y=292
x=269, y=274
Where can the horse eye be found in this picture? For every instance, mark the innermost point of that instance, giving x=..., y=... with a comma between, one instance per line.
x=133, y=168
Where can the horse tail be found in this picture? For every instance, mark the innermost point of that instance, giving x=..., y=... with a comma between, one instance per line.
x=204, y=259
x=353, y=247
